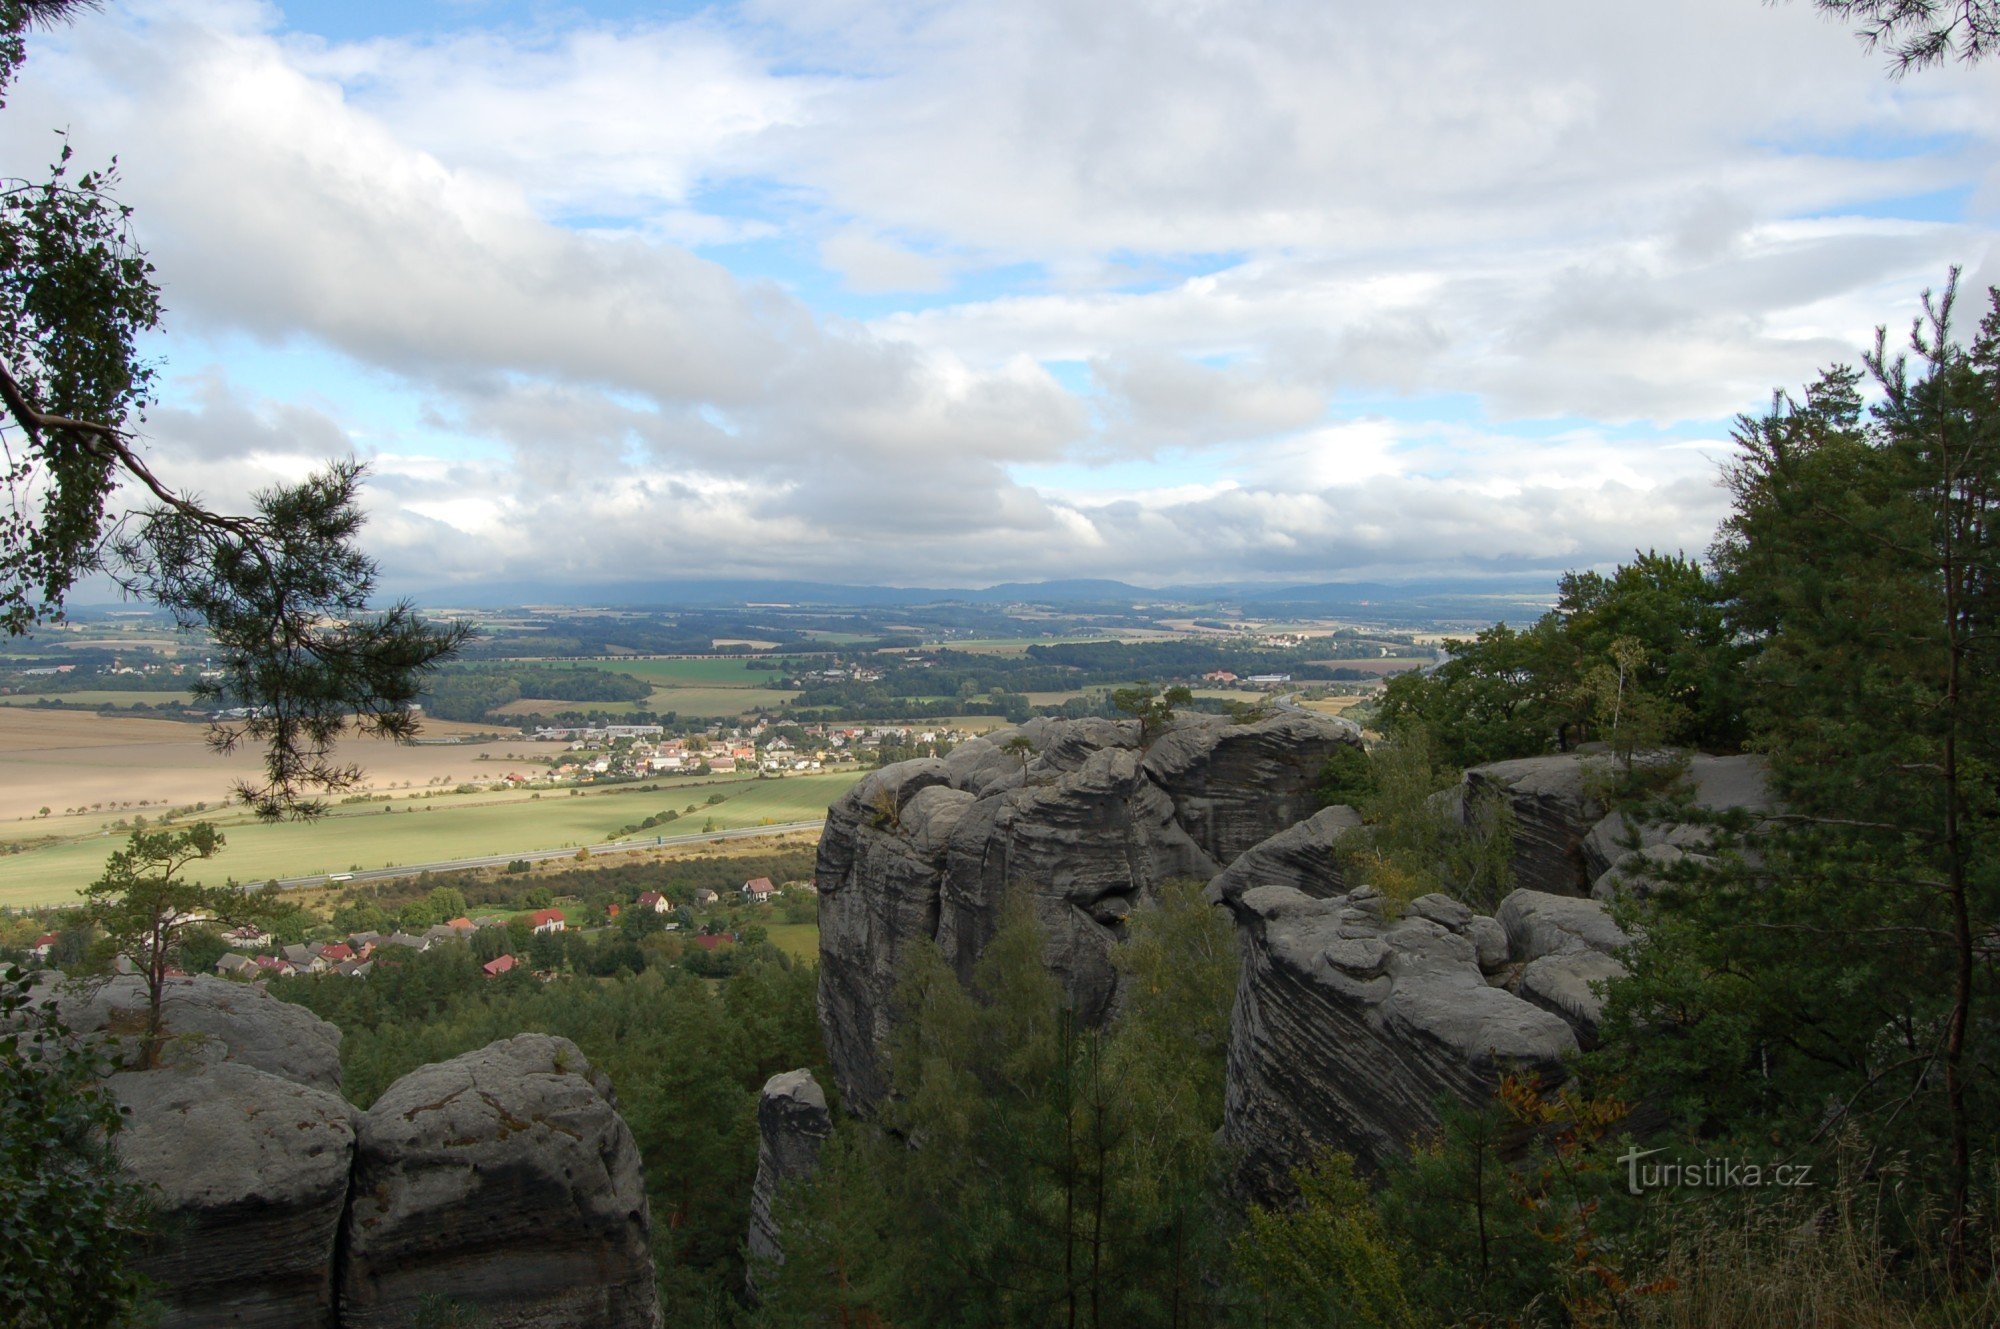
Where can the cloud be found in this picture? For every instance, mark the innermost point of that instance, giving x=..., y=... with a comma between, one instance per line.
x=870, y=264
x=1277, y=290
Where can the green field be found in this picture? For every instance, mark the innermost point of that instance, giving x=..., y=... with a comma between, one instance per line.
x=424, y=830
x=798, y=940
x=718, y=673
x=708, y=689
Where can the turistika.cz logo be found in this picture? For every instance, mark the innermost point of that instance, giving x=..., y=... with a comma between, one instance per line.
x=1708, y=1174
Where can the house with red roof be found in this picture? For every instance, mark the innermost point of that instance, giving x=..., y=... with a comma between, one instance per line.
x=547, y=920
x=337, y=952
x=759, y=889
x=495, y=968
x=656, y=902
x=44, y=944
x=709, y=943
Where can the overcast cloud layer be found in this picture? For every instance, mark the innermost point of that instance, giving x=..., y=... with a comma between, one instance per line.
x=968, y=291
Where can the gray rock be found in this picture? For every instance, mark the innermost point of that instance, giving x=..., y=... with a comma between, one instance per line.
x=505, y=1181
x=1089, y=845
x=1062, y=746
x=878, y=876
x=1569, y=984
x=980, y=765
x=1234, y=785
x=925, y=853
x=208, y=1021
x=1713, y=784
x=1555, y=806
x=1642, y=871
x=792, y=1124
x=1539, y=924
x=1348, y=1031
x=1300, y=856
x=1489, y=942
x=251, y=1174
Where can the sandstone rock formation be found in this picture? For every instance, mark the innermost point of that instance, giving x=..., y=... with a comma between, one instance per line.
x=251, y=1173
x=792, y=1124
x=503, y=1180
x=1565, y=841
x=208, y=1021
x=1350, y=1028
x=1555, y=804
x=1073, y=812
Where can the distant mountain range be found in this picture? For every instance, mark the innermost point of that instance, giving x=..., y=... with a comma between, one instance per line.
x=1485, y=598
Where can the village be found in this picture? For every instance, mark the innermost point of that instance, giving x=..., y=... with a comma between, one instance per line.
x=636, y=751
x=502, y=942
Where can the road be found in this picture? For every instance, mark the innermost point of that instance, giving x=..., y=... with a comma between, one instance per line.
x=543, y=855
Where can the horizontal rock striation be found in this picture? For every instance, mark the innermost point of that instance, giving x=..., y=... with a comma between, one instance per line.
x=1350, y=1029
x=250, y=1176
x=503, y=1181
x=1079, y=814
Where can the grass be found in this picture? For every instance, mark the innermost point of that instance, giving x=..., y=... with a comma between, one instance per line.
x=423, y=830
x=722, y=673
x=706, y=702
x=99, y=697
x=798, y=940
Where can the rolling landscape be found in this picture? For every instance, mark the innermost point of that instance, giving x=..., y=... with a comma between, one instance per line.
x=999, y=664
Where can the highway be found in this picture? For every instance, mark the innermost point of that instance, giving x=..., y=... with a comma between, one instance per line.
x=543, y=855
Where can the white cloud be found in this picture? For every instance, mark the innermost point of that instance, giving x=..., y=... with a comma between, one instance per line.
x=1556, y=210
x=871, y=264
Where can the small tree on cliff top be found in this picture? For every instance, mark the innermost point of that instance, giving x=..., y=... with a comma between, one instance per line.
x=145, y=908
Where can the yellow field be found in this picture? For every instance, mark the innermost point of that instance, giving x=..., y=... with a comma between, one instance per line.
x=64, y=759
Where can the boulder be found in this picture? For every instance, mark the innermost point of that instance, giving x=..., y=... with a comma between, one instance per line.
x=503, y=1181
x=1539, y=924
x=1087, y=823
x=1349, y=1030
x=792, y=1124
x=1300, y=856
x=1571, y=985
x=1712, y=784
x=1640, y=872
x=1555, y=804
x=208, y=1021
x=250, y=1172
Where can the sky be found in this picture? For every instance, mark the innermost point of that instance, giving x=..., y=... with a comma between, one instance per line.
x=958, y=292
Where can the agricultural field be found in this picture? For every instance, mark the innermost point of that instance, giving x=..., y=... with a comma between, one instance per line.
x=96, y=697
x=425, y=827
x=60, y=759
x=716, y=688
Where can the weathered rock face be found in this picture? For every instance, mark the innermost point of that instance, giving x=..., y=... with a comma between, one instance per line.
x=208, y=1021
x=1554, y=807
x=1301, y=857
x=1349, y=1029
x=1074, y=813
x=792, y=1124
x=505, y=1174
x=252, y=1173
x=503, y=1180
x=1234, y=786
